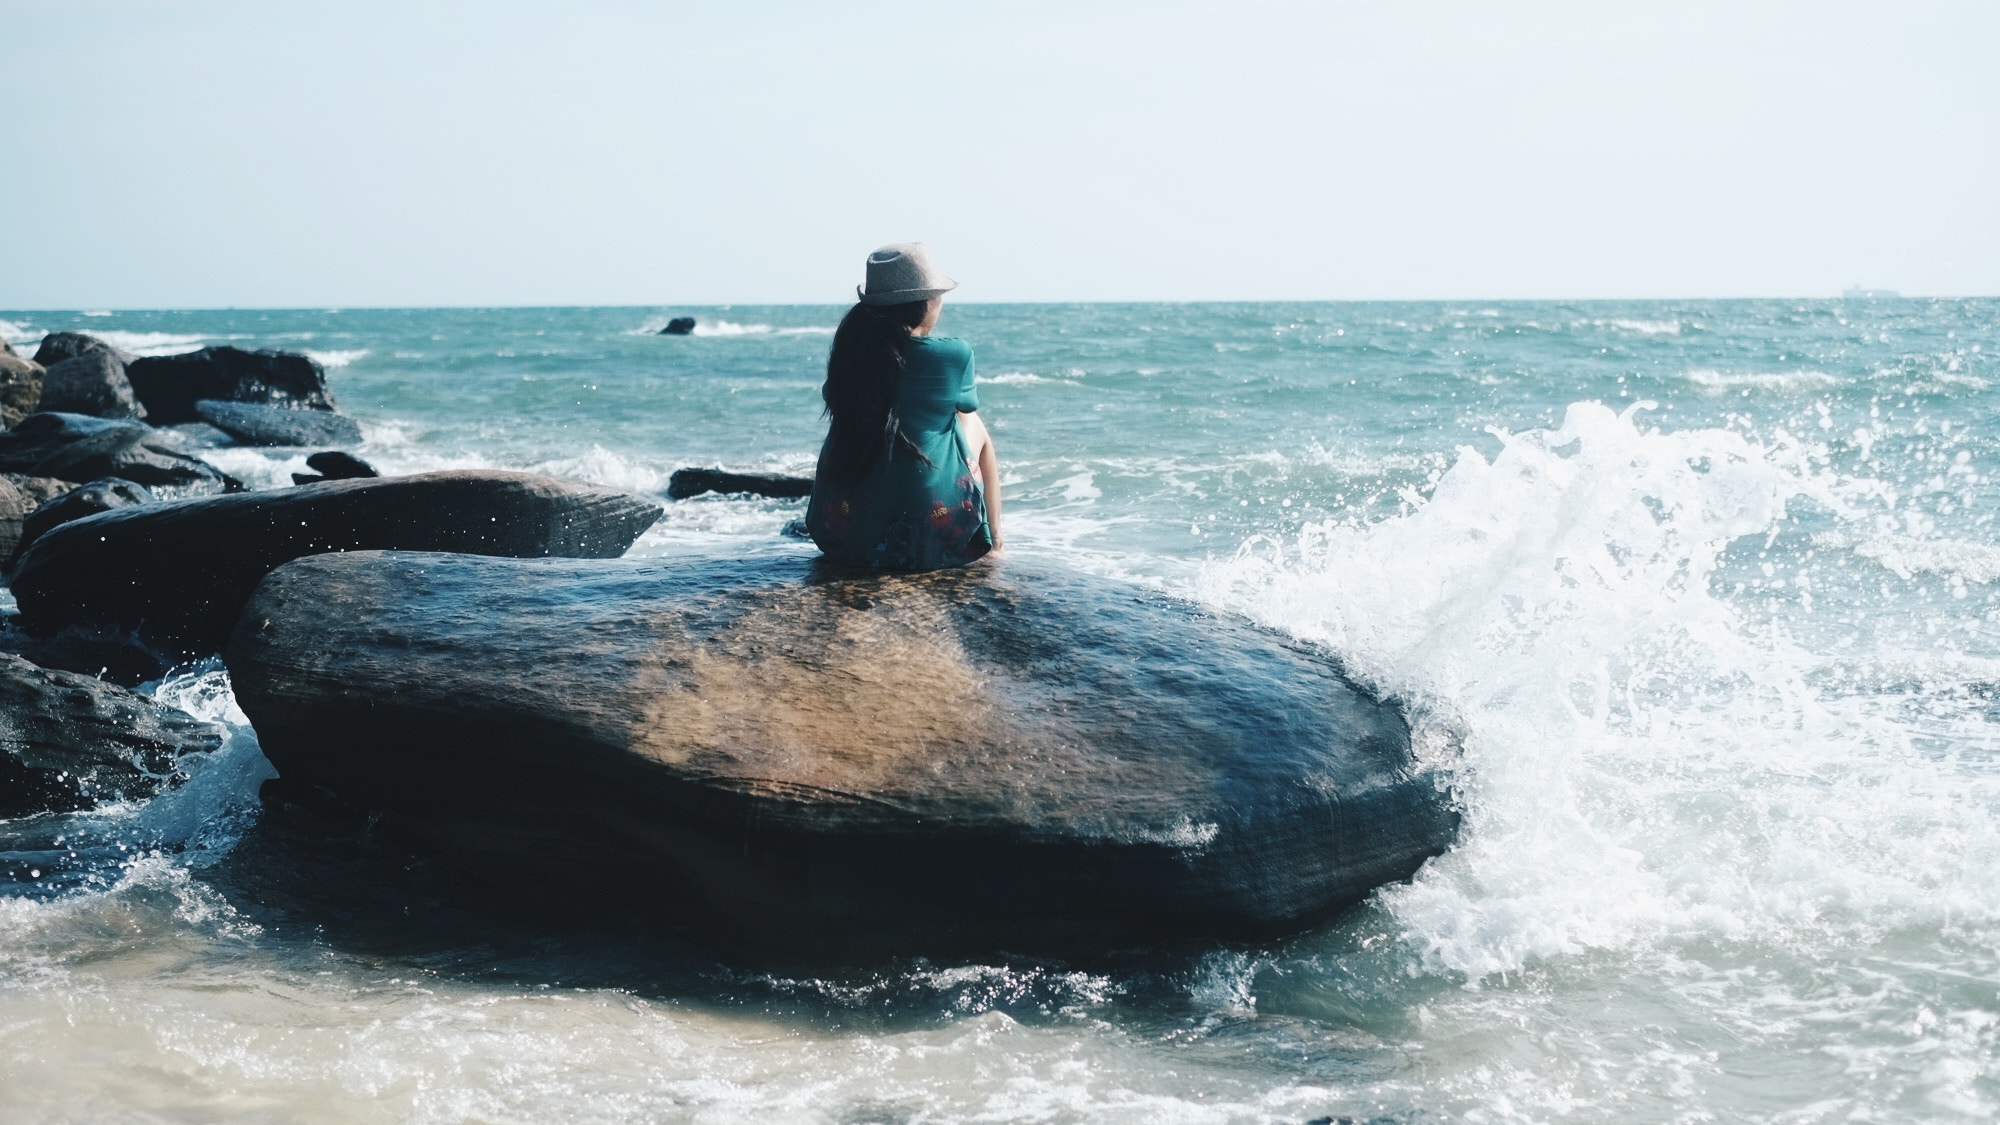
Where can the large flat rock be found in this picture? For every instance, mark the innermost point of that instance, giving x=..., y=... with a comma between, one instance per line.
x=1010, y=756
x=179, y=572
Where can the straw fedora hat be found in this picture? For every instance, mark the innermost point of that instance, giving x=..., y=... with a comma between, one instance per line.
x=902, y=272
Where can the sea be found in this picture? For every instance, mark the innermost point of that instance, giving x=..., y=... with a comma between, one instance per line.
x=1709, y=590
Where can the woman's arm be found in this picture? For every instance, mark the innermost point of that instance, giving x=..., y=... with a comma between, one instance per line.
x=988, y=465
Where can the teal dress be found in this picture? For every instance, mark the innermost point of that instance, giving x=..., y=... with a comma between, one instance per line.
x=906, y=514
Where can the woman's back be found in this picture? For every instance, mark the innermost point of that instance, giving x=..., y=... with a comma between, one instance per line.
x=920, y=505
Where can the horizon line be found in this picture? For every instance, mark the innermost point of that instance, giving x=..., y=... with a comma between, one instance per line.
x=1866, y=295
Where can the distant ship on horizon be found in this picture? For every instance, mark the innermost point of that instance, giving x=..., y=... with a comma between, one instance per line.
x=1856, y=293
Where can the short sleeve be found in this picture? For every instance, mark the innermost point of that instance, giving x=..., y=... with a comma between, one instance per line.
x=968, y=398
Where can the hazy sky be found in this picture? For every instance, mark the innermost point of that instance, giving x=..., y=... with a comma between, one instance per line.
x=273, y=154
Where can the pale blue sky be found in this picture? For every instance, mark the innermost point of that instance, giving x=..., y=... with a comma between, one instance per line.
x=270, y=154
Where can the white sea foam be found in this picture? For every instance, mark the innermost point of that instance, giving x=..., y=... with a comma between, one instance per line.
x=1638, y=767
x=1909, y=555
x=1722, y=382
x=158, y=343
x=338, y=357
x=1643, y=327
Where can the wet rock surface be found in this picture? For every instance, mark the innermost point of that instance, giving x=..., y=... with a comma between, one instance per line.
x=20, y=388
x=78, y=448
x=256, y=424
x=84, y=500
x=70, y=742
x=1011, y=757
x=693, y=482
x=169, y=386
x=57, y=347
x=178, y=572
x=332, y=464
x=91, y=383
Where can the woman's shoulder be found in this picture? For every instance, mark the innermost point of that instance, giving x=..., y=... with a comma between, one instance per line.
x=943, y=345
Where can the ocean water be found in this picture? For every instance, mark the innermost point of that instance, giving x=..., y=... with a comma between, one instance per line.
x=1708, y=588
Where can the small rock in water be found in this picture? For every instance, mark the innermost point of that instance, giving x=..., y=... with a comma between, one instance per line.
x=335, y=465
x=77, y=448
x=91, y=383
x=178, y=572
x=257, y=424
x=678, y=326
x=169, y=386
x=70, y=742
x=693, y=482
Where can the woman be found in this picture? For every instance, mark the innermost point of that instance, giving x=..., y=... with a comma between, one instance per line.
x=907, y=478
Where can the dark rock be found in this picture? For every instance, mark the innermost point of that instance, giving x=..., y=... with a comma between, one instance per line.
x=7, y=348
x=39, y=490
x=93, y=383
x=837, y=762
x=14, y=509
x=169, y=386
x=20, y=498
x=70, y=742
x=341, y=466
x=179, y=572
x=59, y=346
x=76, y=448
x=20, y=389
x=120, y=656
x=678, y=326
x=335, y=465
x=87, y=500
x=256, y=424
x=693, y=482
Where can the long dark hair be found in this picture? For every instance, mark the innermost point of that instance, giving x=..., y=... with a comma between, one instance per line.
x=860, y=393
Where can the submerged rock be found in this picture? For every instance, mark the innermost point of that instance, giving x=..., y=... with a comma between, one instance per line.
x=830, y=762
x=171, y=385
x=76, y=448
x=92, y=383
x=335, y=465
x=85, y=500
x=20, y=389
x=179, y=572
x=693, y=482
x=678, y=326
x=57, y=347
x=70, y=742
x=256, y=424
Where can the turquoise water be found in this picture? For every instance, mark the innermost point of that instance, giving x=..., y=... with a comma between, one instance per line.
x=1707, y=587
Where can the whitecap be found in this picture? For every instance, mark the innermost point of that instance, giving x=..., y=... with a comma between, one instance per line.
x=1910, y=555
x=337, y=357
x=1643, y=327
x=1722, y=382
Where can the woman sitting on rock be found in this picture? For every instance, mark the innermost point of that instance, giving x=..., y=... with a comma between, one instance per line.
x=907, y=478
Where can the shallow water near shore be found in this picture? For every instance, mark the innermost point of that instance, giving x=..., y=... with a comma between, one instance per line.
x=1707, y=587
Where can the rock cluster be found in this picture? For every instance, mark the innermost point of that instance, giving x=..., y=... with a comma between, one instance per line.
x=124, y=582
